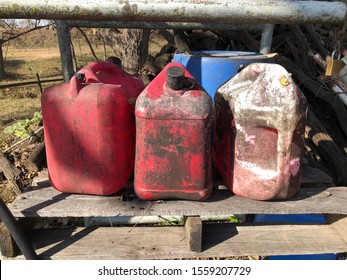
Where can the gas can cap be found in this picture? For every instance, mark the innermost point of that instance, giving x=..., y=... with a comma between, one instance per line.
x=175, y=77
x=80, y=76
x=114, y=60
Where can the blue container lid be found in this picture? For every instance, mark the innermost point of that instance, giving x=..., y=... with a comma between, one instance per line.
x=213, y=68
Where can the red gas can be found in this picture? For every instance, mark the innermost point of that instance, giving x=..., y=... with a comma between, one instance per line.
x=89, y=128
x=259, y=131
x=173, y=138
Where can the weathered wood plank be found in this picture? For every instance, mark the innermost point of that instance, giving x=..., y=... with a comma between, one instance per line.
x=339, y=224
x=219, y=240
x=45, y=201
x=193, y=232
x=268, y=240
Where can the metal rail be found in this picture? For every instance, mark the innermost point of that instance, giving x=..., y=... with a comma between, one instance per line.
x=162, y=25
x=176, y=14
x=64, y=34
x=206, y=11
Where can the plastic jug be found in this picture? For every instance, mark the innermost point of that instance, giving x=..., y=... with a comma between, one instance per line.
x=173, y=138
x=213, y=68
x=89, y=128
x=259, y=131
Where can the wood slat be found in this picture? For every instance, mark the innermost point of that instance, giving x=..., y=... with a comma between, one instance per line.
x=154, y=242
x=193, y=233
x=45, y=201
x=219, y=240
x=339, y=224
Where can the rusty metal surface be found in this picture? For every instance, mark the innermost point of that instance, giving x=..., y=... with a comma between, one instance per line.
x=220, y=11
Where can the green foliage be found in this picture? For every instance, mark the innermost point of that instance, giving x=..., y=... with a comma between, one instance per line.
x=23, y=128
x=233, y=219
x=179, y=221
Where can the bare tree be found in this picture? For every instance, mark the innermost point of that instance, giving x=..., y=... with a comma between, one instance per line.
x=9, y=31
x=130, y=45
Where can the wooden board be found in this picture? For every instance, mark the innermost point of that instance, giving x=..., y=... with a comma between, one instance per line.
x=193, y=233
x=219, y=240
x=155, y=242
x=43, y=200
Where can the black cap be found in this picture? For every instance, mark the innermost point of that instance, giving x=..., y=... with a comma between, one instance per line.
x=175, y=77
x=80, y=76
x=115, y=60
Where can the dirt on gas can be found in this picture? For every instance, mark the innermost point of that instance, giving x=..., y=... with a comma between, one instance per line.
x=173, y=138
x=259, y=132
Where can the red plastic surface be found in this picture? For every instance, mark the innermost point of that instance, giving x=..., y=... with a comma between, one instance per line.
x=258, y=133
x=173, y=138
x=89, y=130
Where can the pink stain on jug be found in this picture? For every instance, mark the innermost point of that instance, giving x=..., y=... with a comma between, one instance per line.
x=294, y=166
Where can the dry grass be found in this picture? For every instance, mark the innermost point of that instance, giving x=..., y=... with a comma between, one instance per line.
x=18, y=108
x=24, y=61
x=22, y=65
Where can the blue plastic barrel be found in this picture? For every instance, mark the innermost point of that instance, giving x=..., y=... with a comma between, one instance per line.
x=213, y=68
x=295, y=218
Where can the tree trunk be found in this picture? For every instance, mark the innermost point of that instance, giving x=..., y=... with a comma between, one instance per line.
x=130, y=45
x=2, y=64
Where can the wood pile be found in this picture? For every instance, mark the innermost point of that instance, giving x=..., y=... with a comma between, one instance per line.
x=303, y=50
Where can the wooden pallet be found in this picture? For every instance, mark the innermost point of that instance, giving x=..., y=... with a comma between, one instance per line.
x=196, y=239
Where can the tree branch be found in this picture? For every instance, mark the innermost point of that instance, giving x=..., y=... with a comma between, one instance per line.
x=88, y=42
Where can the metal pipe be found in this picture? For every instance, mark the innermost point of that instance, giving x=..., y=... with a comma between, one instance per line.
x=162, y=25
x=131, y=220
x=218, y=11
x=266, y=39
x=17, y=233
x=64, y=40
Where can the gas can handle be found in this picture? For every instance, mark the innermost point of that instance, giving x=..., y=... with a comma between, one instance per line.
x=93, y=68
x=76, y=84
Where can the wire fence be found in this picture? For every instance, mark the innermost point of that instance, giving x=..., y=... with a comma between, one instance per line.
x=38, y=82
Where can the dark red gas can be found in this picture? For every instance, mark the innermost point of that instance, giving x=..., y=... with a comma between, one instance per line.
x=89, y=127
x=259, y=132
x=173, y=138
